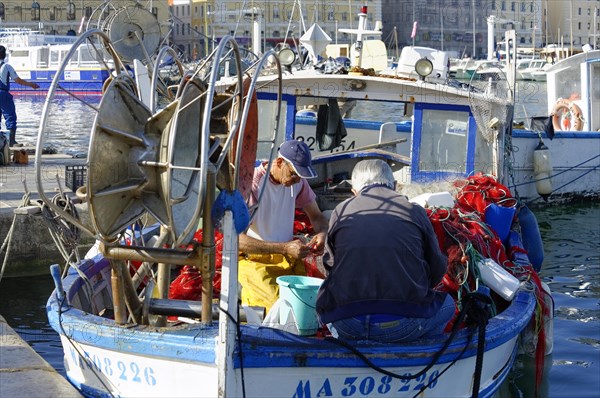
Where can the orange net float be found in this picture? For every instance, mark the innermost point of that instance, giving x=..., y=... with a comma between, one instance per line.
x=566, y=116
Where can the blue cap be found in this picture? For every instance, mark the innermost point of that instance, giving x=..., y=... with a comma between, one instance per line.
x=298, y=154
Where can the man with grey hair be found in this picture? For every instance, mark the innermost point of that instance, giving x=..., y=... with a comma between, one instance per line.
x=383, y=261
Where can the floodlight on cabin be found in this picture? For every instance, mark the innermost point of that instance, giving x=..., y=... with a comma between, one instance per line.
x=424, y=67
x=287, y=56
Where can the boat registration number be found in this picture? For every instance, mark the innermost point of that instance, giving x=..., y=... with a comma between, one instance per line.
x=126, y=371
x=312, y=144
x=363, y=386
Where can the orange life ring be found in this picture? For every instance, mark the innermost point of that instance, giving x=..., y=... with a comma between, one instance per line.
x=566, y=116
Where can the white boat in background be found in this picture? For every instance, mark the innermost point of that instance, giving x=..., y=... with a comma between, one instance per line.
x=462, y=69
x=169, y=163
x=570, y=134
x=37, y=56
x=531, y=69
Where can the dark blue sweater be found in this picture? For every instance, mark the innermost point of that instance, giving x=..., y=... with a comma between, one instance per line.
x=383, y=258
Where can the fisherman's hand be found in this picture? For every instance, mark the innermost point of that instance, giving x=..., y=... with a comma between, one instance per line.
x=317, y=243
x=296, y=249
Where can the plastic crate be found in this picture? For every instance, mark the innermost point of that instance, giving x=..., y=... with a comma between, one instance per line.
x=75, y=176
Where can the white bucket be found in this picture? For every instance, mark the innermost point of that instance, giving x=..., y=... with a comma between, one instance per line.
x=498, y=279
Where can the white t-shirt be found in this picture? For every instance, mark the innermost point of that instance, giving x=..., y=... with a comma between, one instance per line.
x=274, y=217
x=7, y=70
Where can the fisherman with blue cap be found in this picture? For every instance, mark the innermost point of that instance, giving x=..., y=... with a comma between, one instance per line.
x=268, y=247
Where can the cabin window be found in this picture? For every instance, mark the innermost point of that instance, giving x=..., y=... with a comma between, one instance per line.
x=35, y=11
x=19, y=53
x=444, y=141
x=2, y=10
x=71, y=11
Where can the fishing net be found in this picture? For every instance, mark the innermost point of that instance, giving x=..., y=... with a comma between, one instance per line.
x=491, y=99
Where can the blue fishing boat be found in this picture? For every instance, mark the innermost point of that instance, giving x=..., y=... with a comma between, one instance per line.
x=190, y=162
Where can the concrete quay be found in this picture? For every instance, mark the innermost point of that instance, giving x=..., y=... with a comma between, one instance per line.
x=24, y=373
x=32, y=249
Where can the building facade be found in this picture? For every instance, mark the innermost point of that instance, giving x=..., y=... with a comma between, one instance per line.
x=70, y=17
x=461, y=26
x=278, y=20
x=573, y=23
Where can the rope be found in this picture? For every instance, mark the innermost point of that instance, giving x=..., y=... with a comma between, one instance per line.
x=469, y=310
x=64, y=234
x=9, y=235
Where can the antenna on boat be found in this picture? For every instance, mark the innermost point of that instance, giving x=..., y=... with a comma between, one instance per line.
x=360, y=32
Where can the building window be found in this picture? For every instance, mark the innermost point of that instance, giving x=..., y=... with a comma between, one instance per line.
x=522, y=7
x=344, y=16
x=275, y=33
x=2, y=10
x=155, y=11
x=71, y=11
x=512, y=6
x=579, y=11
x=493, y=5
x=531, y=7
x=35, y=11
x=53, y=13
x=275, y=12
x=88, y=12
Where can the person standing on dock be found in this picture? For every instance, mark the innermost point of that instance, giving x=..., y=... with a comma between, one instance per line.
x=7, y=104
x=268, y=247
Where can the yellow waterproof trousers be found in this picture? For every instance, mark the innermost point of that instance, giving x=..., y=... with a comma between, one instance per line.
x=258, y=274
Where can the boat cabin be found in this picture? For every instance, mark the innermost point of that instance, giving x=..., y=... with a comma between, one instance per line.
x=426, y=132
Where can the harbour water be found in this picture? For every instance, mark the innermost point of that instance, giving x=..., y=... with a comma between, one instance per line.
x=571, y=268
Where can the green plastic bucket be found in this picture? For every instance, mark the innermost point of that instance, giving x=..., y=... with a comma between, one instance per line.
x=300, y=295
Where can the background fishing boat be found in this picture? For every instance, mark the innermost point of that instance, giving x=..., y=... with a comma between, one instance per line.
x=37, y=57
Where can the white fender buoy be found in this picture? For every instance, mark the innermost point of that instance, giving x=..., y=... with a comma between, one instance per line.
x=542, y=170
x=548, y=319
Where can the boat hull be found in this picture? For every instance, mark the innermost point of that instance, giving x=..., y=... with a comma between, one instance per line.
x=79, y=82
x=102, y=358
x=575, y=159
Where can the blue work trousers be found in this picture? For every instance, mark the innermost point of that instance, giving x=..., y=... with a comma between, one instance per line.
x=385, y=328
x=7, y=108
